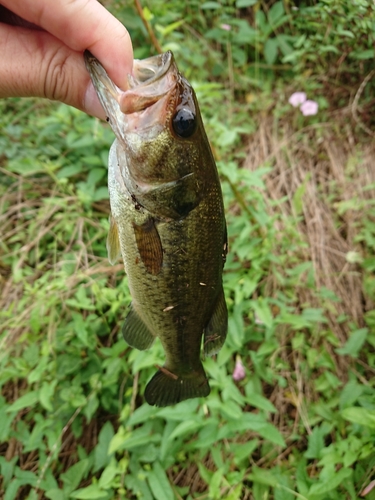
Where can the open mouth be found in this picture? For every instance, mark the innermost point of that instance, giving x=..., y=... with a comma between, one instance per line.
x=143, y=104
x=149, y=71
x=152, y=79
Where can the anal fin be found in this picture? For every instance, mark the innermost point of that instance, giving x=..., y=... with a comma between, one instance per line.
x=136, y=332
x=216, y=330
x=113, y=242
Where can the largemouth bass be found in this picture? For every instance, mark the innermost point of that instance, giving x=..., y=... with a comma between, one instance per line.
x=167, y=221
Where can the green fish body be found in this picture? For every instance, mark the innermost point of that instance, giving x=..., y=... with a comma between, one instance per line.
x=167, y=221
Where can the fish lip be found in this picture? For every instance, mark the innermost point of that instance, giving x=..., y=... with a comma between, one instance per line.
x=99, y=75
x=139, y=103
x=150, y=70
x=151, y=81
x=146, y=72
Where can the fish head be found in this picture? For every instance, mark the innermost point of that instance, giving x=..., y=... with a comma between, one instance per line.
x=158, y=126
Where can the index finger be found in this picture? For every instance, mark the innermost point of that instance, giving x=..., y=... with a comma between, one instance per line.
x=82, y=24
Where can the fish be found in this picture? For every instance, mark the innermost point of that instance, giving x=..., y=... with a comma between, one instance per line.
x=167, y=221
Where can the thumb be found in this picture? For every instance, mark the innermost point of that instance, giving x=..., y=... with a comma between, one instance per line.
x=35, y=63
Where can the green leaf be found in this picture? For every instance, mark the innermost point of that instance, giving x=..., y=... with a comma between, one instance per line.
x=350, y=394
x=39, y=371
x=91, y=492
x=179, y=412
x=263, y=476
x=87, y=141
x=331, y=484
x=205, y=473
x=101, y=194
x=314, y=315
x=242, y=451
x=159, y=483
x=214, y=486
x=55, y=494
x=6, y=422
x=12, y=490
x=260, y=402
x=359, y=416
x=269, y=432
x=363, y=54
x=45, y=395
x=28, y=399
x=298, y=197
x=7, y=469
x=80, y=328
x=184, y=428
x=33, y=495
x=275, y=12
x=69, y=171
x=142, y=414
x=95, y=175
x=241, y=4
x=166, y=30
x=117, y=440
x=74, y=475
x=315, y=443
x=354, y=343
x=139, y=486
x=271, y=50
x=91, y=407
x=26, y=166
x=107, y=476
x=210, y=5
x=263, y=312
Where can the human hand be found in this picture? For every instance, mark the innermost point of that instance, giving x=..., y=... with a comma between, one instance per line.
x=42, y=44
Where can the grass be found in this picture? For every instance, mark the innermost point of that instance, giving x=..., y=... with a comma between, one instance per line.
x=299, y=283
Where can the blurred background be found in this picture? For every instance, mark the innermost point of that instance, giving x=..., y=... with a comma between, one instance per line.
x=286, y=90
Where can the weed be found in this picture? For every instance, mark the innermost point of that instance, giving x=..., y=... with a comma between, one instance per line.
x=298, y=192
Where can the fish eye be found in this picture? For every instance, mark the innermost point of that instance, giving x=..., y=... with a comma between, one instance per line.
x=184, y=123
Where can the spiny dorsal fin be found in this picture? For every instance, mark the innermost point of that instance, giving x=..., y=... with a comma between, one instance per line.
x=136, y=332
x=216, y=329
x=113, y=242
x=149, y=245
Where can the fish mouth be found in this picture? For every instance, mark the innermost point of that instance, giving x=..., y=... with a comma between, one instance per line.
x=147, y=71
x=151, y=80
x=144, y=101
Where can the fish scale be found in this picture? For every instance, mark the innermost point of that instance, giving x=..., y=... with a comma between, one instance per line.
x=167, y=219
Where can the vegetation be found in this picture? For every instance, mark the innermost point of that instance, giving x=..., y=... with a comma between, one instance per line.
x=299, y=280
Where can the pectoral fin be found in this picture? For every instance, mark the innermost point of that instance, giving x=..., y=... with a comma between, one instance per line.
x=136, y=332
x=216, y=329
x=149, y=245
x=113, y=242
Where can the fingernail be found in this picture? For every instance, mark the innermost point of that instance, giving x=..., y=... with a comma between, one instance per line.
x=92, y=104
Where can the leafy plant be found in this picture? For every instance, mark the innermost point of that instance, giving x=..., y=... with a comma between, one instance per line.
x=298, y=280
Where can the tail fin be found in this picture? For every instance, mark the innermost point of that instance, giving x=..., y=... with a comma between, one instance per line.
x=165, y=389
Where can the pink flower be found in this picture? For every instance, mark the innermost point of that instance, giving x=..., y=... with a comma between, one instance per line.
x=368, y=489
x=226, y=27
x=239, y=370
x=297, y=99
x=309, y=108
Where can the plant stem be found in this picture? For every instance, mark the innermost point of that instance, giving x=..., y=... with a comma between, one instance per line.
x=148, y=27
